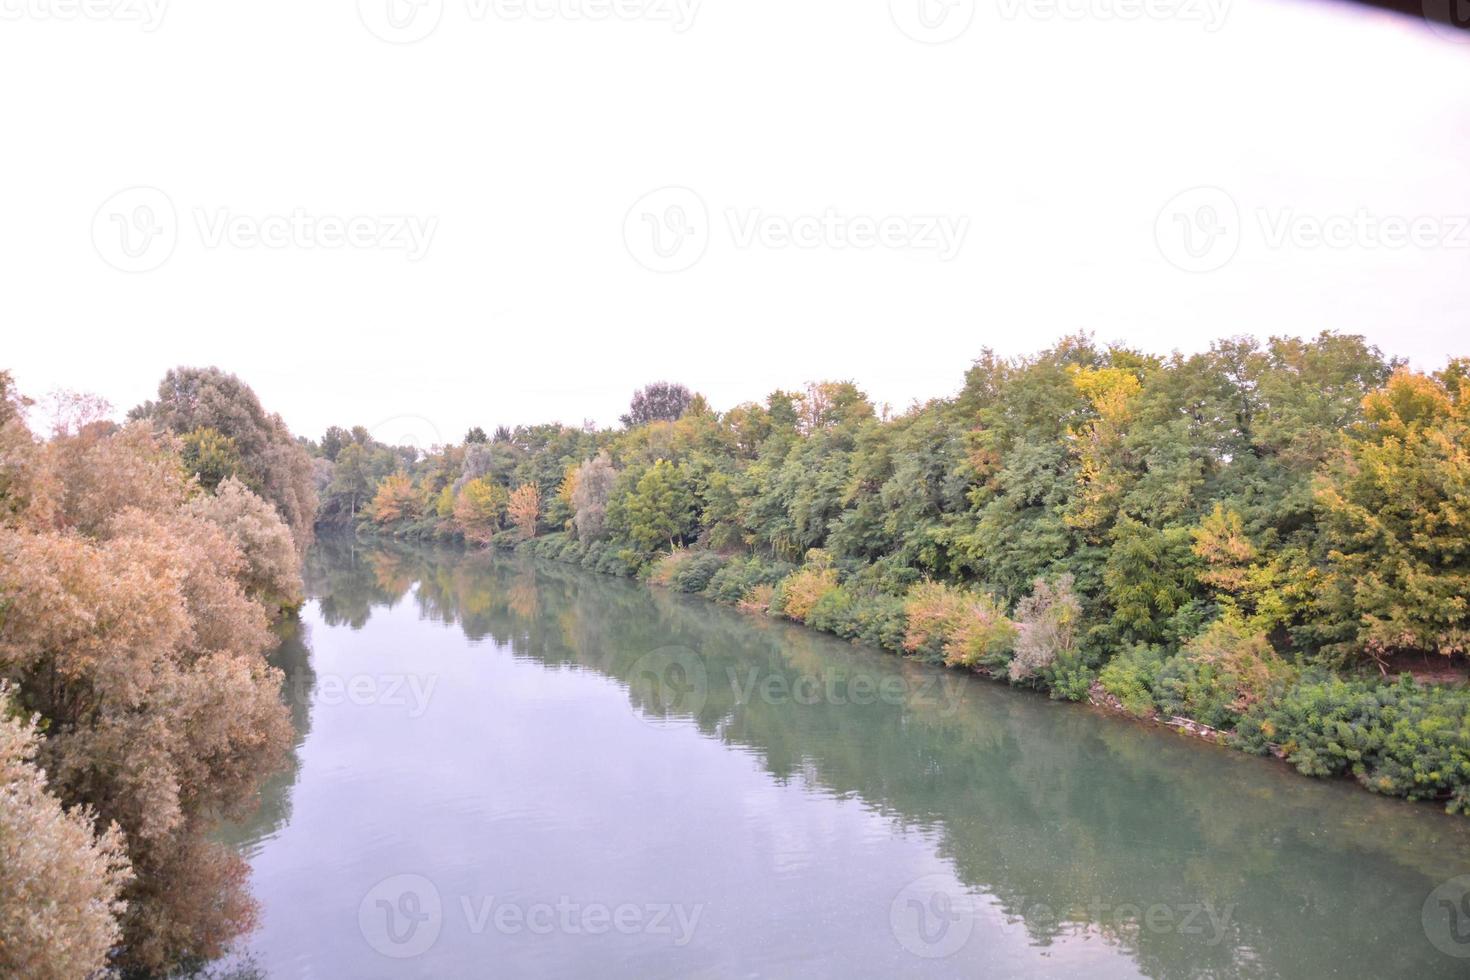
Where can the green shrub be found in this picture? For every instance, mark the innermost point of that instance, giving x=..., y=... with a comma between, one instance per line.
x=879, y=621
x=738, y=576
x=832, y=613
x=1131, y=677
x=694, y=575
x=1401, y=739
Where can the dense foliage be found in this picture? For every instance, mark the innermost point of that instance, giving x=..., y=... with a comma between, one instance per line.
x=1189, y=534
x=139, y=572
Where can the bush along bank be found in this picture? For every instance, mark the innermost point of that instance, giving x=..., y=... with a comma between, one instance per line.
x=1244, y=542
x=1394, y=736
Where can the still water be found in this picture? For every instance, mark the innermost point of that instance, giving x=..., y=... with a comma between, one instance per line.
x=518, y=769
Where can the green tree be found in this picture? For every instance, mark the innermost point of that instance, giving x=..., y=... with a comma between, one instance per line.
x=661, y=508
x=1394, y=504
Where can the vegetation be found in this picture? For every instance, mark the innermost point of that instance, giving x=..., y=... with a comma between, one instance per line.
x=1191, y=535
x=139, y=571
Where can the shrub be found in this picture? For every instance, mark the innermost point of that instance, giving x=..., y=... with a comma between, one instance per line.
x=59, y=880
x=1220, y=674
x=1401, y=739
x=694, y=575
x=661, y=570
x=1131, y=677
x=879, y=621
x=621, y=561
x=758, y=599
x=572, y=551
x=832, y=612
x=738, y=576
x=1046, y=629
x=800, y=591
x=961, y=628
x=272, y=572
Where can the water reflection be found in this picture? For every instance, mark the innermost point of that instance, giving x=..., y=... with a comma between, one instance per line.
x=1094, y=843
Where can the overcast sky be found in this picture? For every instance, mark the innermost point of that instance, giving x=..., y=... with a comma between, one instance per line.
x=419, y=215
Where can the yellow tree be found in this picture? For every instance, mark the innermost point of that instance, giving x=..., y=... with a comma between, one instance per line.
x=524, y=509
x=1396, y=522
x=1103, y=473
x=395, y=500
x=479, y=508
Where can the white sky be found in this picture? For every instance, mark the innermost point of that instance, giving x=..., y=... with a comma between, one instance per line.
x=528, y=141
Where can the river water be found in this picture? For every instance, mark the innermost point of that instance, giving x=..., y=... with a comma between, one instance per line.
x=512, y=769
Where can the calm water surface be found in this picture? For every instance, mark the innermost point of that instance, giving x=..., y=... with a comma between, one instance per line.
x=512, y=769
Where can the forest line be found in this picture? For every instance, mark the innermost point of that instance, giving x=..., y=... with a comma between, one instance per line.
x=1266, y=538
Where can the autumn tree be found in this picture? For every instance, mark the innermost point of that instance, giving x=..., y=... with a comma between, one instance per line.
x=60, y=879
x=479, y=508
x=271, y=462
x=595, y=479
x=210, y=455
x=524, y=509
x=273, y=575
x=130, y=628
x=1397, y=568
x=395, y=500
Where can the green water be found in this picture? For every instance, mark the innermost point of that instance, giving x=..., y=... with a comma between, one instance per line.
x=514, y=770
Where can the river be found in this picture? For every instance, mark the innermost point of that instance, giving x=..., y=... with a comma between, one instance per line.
x=522, y=769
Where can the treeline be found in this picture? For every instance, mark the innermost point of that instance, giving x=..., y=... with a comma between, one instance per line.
x=141, y=567
x=1254, y=538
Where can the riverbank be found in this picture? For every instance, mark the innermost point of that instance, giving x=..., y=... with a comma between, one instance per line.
x=1395, y=737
